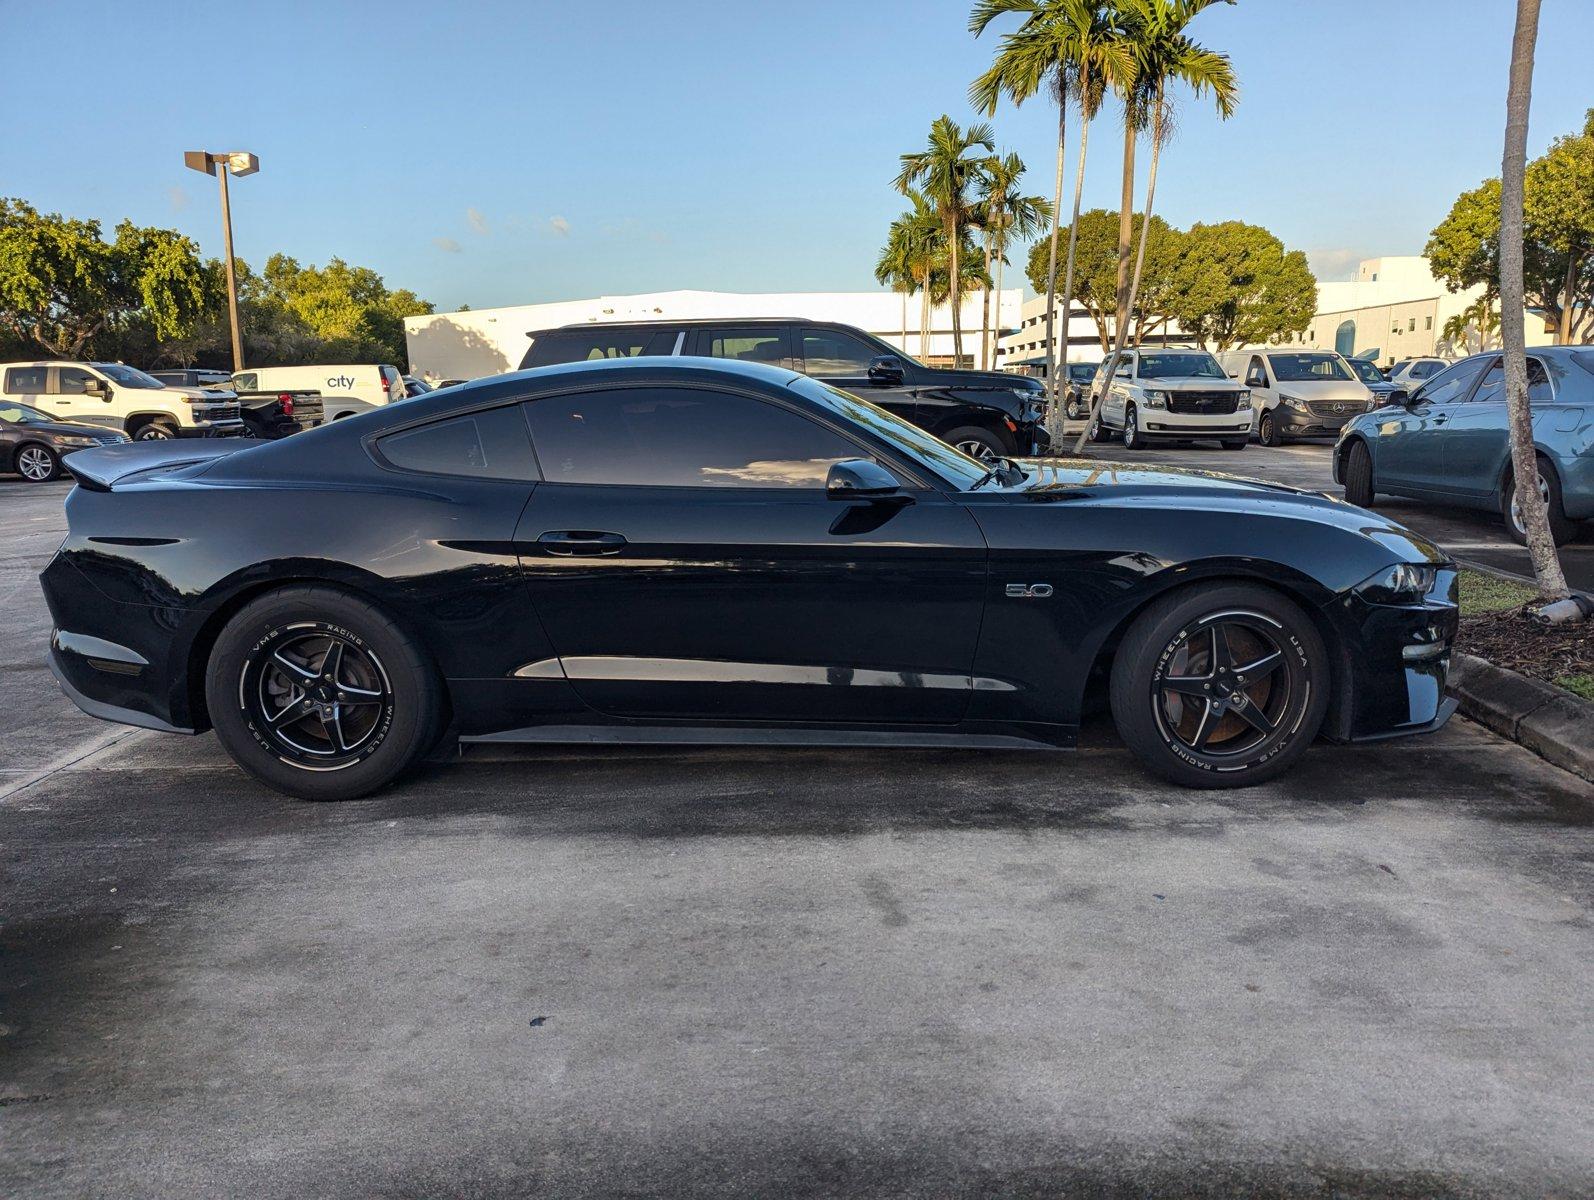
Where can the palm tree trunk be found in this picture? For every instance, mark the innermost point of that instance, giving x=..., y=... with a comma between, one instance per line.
x=1126, y=217
x=955, y=292
x=1051, y=270
x=1524, y=464
x=1073, y=228
x=1569, y=298
x=904, y=322
x=1145, y=217
x=985, y=311
x=996, y=330
x=924, y=315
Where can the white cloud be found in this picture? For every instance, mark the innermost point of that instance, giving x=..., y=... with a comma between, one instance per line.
x=178, y=198
x=448, y=245
x=1334, y=264
x=559, y=227
x=477, y=220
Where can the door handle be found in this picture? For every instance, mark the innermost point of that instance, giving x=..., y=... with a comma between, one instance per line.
x=580, y=541
x=1441, y=419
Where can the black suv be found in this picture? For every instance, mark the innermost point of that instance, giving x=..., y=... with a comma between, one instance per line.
x=983, y=413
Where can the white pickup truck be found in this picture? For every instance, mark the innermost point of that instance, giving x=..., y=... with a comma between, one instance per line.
x=120, y=397
x=1165, y=395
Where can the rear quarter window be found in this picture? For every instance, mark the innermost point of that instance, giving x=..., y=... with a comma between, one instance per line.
x=491, y=444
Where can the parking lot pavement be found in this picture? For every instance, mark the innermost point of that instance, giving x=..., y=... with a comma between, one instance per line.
x=1478, y=537
x=754, y=971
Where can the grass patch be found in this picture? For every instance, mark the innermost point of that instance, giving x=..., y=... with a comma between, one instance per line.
x=1578, y=685
x=1481, y=593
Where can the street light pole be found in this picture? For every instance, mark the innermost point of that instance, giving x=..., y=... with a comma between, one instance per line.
x=221, y=165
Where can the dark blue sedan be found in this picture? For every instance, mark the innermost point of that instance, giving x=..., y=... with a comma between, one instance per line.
x=1447, y=441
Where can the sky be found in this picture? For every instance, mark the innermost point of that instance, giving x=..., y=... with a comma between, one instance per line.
x=489, y=153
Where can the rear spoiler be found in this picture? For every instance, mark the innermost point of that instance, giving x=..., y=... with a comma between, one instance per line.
x=99, y=470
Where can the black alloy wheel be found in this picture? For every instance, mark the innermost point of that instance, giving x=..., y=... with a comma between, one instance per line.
x=1220, y=685
x=320, y=694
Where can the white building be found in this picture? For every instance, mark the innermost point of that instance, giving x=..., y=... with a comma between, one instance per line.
x=1026, y=349
x=490, y=341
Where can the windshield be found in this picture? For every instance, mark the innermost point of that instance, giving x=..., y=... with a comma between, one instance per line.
x=21, y=414
x=1307, y=368
x=1172, y=366
x=1368, y=372
x=952, y=465
x=1082, y=372
x=129, y=376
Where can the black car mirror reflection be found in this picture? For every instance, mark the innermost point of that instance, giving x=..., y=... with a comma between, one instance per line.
x=885, y=370
x=861, y=479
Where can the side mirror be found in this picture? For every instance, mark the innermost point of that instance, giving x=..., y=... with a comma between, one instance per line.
x=885, y=370
x=1123, y=371
x=1399, y=396
x=861, y=479
x=96, y=387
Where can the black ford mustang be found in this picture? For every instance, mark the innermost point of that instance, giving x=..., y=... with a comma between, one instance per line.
x=689, y=550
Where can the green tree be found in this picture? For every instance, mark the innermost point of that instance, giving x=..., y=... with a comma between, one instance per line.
x=1072, y=48
x=1236, y=285
x=1005, y=214
x=349, y=308
x=1095, y=236
x=62, y=285
x=944, y=171
x=1557, y=244
x=909, y=257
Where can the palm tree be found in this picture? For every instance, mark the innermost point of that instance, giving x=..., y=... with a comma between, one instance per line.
x=1163, y=53
x=1513, y=169
x=910, y=257
x=1004, y=215
x=944, y=170
x=1069, y=46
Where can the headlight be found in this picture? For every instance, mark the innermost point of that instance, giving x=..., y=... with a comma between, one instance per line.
x=1156, y=399
x=1297, y=405
x=1244, y=401
x=76, y=441
x=1403, y=583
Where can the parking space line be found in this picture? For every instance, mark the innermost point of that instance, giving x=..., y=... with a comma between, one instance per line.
x=71, y=758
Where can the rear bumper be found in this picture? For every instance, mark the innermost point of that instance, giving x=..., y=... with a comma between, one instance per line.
x=63, y=670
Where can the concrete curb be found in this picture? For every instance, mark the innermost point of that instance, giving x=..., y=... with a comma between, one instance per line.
x=1551, y=722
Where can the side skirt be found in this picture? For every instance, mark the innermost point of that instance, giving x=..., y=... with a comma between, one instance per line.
x=732, y=735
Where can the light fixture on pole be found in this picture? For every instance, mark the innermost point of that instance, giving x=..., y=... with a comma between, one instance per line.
x=239, y=163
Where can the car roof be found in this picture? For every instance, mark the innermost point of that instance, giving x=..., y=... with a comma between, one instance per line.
x=687, y=323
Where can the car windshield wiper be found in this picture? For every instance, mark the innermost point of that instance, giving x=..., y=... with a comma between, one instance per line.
x=1006, y=472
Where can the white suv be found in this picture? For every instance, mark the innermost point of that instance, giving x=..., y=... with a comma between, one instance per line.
x=120, y=397
x=1170, y=394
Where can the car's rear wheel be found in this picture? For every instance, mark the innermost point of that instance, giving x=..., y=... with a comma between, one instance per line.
x=1098, y=432
x=1359, y=475
x=1220, y=685
x=38, y=463
x=976, y=443
x=321, y=695
x=1133, y=438
x=1562, y=528
x=1267, y=430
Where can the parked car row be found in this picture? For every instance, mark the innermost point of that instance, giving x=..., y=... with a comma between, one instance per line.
x=50, y=407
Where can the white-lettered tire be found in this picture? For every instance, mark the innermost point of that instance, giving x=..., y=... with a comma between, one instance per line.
x=321, y=695
x=1220, y=685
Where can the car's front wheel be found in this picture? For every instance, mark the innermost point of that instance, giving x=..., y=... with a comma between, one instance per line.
x=976, y=443
x=155, y=431
x=1074, y=409
x=1267, y=430
x=1220, y=685
x=38, y=463
x=321, y=695
x=1562, y=528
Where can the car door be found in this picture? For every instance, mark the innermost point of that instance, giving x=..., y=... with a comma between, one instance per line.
x=842, y=359
x=69, y=397
x=1117, y=401
x=10, y=434
x=687, y=564
x=1409, y=451
x=30, y=385
x=1477, y=439
x=1264, y=396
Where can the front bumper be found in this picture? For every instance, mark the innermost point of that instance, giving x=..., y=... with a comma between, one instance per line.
x=1395, y=664
x=232, y=427
x=1159, y=424
x=1305, y=424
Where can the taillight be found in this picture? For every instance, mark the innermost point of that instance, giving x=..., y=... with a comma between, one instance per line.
x=287, y=404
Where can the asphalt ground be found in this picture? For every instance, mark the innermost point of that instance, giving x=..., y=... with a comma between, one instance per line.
x=782, y=972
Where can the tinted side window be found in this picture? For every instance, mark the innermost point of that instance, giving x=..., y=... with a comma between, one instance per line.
x=70, y=381
x=746, y=345
x=488, y=445
x=1493, y=385
x=1424, y=369
x=591, y=345
x=678, y=437
x=1452, y=384
x=830, y=352
x=1255, y=372
x=246, y=381
x=25, y=379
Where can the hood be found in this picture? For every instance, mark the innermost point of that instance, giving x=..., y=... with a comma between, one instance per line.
x=947, y=377
x=201, y=393
x=1191, y=383
x=1325, y=389
x=1087, y=481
